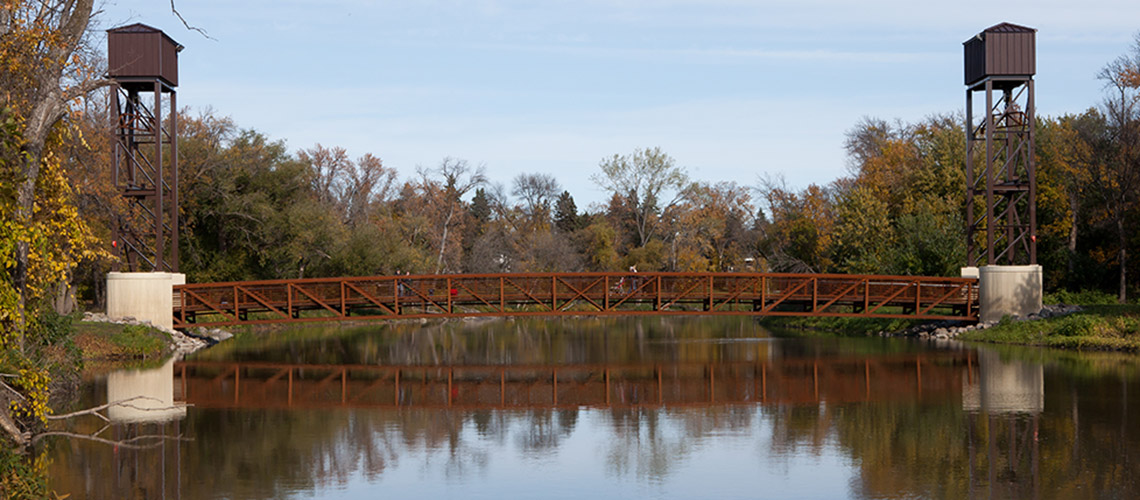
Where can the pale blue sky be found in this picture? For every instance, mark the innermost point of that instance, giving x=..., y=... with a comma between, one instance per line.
x=733, y=90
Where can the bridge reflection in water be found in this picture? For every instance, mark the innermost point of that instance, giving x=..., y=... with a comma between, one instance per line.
x=781, y=381
x=979, y=420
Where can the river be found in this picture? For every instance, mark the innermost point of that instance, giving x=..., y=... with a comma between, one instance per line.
x=607, y=408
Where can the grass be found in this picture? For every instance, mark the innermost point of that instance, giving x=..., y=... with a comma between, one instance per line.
x=110, y=341
x=1097, y=327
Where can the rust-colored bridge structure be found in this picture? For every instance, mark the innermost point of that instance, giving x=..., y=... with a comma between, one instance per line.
x=551, y=294
x=209, y=384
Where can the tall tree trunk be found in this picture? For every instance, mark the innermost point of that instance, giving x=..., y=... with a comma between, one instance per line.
x=1074, y=203
x=1122, y=256
x=25, y=203
x=47, y=106
x=443, y=241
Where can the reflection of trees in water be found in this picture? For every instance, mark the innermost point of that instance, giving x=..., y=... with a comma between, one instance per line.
x=652, y=443
x=641, y=447
x=513, y=341
x=545, y=430
x=1086, y=440
x=1086, y=445
x=1086, y=437
x=796, y=428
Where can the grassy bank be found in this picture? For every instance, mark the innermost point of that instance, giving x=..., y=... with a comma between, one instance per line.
x=1102, y=325
x=115, y=342
x=1097, y=327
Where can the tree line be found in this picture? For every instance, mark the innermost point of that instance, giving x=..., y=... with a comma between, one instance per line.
x=254, y=211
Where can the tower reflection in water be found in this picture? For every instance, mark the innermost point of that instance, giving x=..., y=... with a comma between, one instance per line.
x=1004, y=403
x=147, y=462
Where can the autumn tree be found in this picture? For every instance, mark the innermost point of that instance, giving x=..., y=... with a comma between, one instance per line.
x=42, y=71
x=1064, y=166
x=44, y=75
x=798, y=237
x=712, y=221
x=900, y=211
x=536, y=194
x=651, y=182
x=251, y=209
x=442, y=189
x=1116, y=181
x=353, y=188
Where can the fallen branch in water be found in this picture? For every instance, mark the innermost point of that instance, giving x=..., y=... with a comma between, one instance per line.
x=125, y=443
x=122, y=403
x=97, y=411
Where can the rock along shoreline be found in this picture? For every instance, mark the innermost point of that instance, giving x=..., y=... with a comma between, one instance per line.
x=182, y=344
x=949, y=330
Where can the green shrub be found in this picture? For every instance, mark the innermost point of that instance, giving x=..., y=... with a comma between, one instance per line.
x=1077, y=326
x=1083, y=297
x=51, y=338
x=50, y=328
x=139, y=340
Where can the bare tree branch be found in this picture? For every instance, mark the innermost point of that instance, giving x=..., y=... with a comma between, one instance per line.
x=85, y=88
x=13, y=391
x=187, y=25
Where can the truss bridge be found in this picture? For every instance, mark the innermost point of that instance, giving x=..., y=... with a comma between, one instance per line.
x=562, y=294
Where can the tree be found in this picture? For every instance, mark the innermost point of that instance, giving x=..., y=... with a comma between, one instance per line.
x=800, y=234
x=645, y=178
x=480, y=207
x=41, y=71
x=368, y=183
x=897, y=213
x=600, y=246
x=566, y=217
x=712, y=219
x=537, y=192
x=547, y=251
x=863, y=234
x=1062, y=198
x=330, y=167
x=443, y=188
x=1117, y=180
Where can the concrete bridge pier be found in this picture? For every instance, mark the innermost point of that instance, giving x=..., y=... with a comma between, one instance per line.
x=1006, y=290
x=143, y=296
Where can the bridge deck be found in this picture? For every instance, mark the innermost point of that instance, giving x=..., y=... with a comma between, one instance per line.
x=517, y=294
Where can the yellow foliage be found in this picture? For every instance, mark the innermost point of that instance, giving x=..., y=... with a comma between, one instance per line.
x=34, y=383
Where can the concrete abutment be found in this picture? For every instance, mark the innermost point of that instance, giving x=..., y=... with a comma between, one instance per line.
x=1007, y=290
x=143, y=296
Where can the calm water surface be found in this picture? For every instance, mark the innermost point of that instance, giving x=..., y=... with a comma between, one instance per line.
x=592, y=408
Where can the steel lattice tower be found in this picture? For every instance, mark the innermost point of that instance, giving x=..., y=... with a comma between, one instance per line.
x=143, y=65
x=1001, y=189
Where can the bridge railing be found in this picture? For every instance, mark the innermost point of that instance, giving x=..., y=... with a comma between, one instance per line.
x=520, y=294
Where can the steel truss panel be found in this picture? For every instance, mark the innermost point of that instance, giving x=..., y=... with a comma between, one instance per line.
x=144, y=167
x=1001, y=189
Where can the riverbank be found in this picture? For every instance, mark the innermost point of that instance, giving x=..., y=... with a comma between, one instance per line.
x=1102, y=327
x=101, y=338
x=1094, y=327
